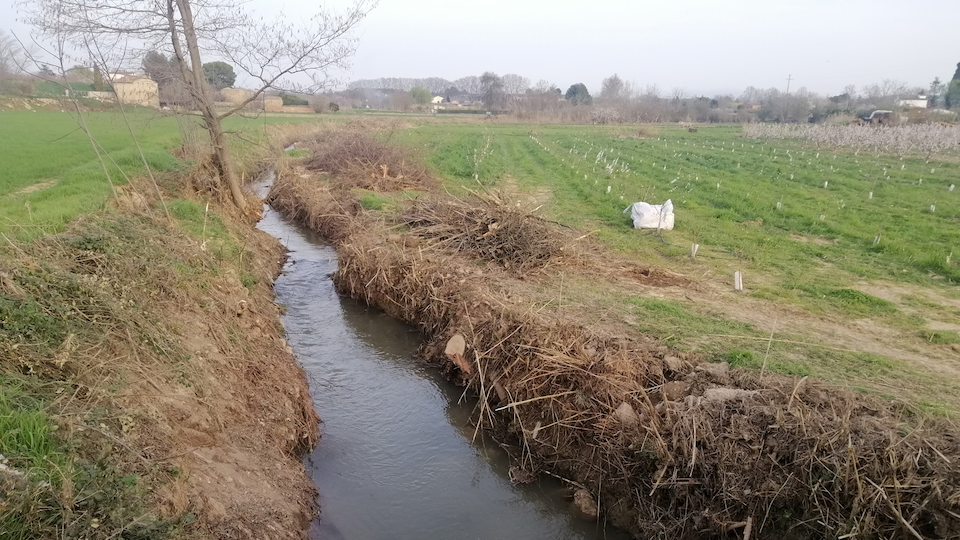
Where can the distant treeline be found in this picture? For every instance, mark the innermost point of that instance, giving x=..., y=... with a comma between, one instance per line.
x=471, y=84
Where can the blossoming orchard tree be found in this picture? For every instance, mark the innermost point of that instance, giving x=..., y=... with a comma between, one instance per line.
x=278, y=54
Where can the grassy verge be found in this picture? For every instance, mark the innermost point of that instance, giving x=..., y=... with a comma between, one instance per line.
x=90, y=353
x=51, y=173
x=69, y=474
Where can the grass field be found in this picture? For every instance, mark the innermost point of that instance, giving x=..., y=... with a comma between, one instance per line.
x=752, y=178
x=848, y=257
x=857, y=245
x=50, y=172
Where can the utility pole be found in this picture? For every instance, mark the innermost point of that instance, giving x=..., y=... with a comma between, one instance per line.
x=783, y=102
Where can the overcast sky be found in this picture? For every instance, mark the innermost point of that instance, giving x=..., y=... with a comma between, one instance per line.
x=705, y=46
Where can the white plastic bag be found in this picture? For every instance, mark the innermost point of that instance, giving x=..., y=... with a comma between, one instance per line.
x=651, y=216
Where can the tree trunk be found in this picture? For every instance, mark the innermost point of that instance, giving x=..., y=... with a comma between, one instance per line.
x=221, y=154
x=195, y=81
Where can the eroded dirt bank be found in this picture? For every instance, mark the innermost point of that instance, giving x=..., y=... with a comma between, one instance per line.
x=161, y=351
x=664, y=443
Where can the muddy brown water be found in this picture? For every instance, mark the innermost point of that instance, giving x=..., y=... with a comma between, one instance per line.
x=397, y=457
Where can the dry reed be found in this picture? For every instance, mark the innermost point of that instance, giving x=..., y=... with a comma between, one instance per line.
x=359, y=157
x=484, y=227
x=673, y=447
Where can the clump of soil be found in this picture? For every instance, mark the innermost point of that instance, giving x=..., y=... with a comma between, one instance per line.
x=360, y=157
x=674, y=447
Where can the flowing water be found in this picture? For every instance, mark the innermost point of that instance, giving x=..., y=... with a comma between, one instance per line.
x=397, y=458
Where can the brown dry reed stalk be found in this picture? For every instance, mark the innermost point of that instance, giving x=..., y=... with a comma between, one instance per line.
x=329, y=211
x=484, y=227
x=361, y=156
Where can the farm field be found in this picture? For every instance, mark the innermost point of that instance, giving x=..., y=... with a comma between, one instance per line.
x=848, y=256
x=50, y=173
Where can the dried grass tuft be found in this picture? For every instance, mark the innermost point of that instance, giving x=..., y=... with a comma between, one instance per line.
x=485, y=227
x=314, y=203
x=360, y=157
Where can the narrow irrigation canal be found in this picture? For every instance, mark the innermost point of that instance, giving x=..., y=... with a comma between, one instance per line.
x=397, y=457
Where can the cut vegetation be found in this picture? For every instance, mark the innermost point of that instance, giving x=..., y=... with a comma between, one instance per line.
x=650, y=391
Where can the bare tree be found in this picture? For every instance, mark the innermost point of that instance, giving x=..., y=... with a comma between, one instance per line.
x=752, y=94
x=10, y=55
x=539, y=102
x=678, y=97
x=514, y=84
x=544, y=86
x=469, y=84
x=851, y=92
x=436, y=85
x=886, y=93
x=494, y=97
x=611, y=88
x=273, y=54
x=13, y=60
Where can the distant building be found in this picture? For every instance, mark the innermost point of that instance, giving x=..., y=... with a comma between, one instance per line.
x=919, y=102
x=272, y=103
x=437, y=100
x=236, y=95
x=136, y=90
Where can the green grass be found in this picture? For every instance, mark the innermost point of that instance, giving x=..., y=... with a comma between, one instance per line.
x=853, y=302
x=297, y=153
x=793, y=245
x=794, y=258
x=940, y=337
x=47, y=148
x=753, y=177
x=205, y=226
x=50, y=173
x=52, y=492
x=54, y=89
x=373, y=201
x=26, y=432
x=676, y=324
x=752, y=360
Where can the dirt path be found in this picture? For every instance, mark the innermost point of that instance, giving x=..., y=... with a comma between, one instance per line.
x=33, y=188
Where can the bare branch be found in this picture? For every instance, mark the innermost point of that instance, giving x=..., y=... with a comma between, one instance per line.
x=274, y=55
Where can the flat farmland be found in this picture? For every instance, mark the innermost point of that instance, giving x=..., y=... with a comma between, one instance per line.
x=50, y=172
x=848, y=253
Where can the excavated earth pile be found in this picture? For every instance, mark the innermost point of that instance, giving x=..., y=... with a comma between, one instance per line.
x=665, y=444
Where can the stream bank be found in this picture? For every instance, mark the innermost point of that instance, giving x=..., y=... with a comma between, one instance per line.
x=398, y=457
x=169, y=403
x=670, y=445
